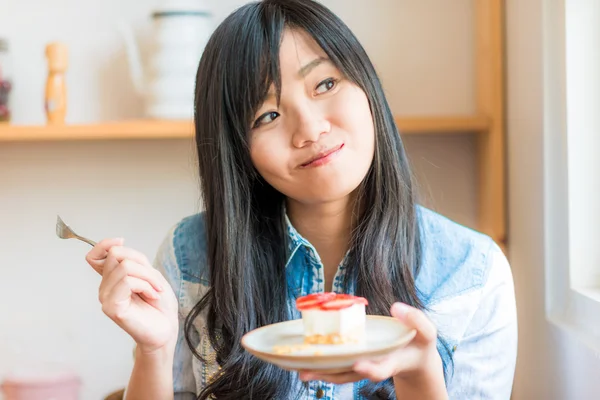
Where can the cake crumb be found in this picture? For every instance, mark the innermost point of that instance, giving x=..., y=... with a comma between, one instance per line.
x=288, y=349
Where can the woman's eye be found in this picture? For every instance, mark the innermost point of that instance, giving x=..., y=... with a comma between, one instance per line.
x=326, y=85
x=266, y=118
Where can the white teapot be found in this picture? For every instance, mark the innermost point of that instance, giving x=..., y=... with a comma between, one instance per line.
x=181, y=30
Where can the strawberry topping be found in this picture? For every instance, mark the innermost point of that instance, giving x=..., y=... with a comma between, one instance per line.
x=313, y=300
x=328, y=301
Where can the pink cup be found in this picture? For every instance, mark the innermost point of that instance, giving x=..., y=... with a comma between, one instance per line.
x=41, y=386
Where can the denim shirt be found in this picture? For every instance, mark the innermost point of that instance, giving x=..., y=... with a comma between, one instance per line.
x=465, y=283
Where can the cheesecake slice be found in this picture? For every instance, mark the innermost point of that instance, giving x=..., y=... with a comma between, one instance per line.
x=331, y=318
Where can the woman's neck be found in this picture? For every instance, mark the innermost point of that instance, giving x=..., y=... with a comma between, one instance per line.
x=327, y=227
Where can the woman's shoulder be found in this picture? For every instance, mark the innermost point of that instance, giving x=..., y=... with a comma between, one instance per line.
x=182, y=253
x=467, y=287
x=457, y=260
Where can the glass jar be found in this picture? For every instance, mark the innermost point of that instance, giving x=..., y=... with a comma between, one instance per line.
x=5, y=81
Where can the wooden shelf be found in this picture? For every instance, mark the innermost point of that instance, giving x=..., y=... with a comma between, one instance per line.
x=437, y=125
x=163, y=129
x=134, y=129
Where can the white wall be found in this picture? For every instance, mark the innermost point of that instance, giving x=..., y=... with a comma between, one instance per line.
x=583, y=98
x=552, y=364
x=49, y=314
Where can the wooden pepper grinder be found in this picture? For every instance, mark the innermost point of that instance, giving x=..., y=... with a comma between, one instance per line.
x=56, y=87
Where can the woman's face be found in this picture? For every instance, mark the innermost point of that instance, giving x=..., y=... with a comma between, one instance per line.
x=318, y=144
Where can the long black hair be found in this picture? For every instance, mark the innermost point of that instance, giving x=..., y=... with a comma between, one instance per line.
x=244, y=216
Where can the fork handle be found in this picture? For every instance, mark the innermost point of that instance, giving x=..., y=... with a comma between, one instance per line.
x=88, y=241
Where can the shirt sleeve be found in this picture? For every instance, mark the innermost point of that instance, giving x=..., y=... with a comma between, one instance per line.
x=484, y=360
x=184, y=382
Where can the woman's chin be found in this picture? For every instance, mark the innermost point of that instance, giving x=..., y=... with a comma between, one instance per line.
x=326, y=195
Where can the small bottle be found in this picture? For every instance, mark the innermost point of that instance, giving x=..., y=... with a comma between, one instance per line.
x=56, y=87
x=5, y=82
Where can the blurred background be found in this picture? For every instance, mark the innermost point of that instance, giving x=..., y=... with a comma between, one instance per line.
x=138, y=187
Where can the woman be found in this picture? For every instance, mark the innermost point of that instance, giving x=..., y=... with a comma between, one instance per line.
x=307, y=189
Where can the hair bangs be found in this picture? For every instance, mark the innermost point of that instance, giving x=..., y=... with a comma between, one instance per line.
x=253, y=65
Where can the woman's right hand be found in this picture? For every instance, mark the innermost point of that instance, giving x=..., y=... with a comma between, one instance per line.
x=135, y=295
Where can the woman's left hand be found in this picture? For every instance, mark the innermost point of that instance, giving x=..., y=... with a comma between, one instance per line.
x=418, y=363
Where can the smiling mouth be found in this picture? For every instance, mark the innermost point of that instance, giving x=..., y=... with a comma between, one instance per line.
x=323, y=158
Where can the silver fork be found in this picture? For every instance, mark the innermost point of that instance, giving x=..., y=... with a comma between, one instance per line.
x=63, y=231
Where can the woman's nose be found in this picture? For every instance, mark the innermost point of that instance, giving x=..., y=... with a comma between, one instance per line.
x=310, y=124
x=309, y=128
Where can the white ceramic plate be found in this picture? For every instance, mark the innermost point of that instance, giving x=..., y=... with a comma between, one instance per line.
x=383, y=335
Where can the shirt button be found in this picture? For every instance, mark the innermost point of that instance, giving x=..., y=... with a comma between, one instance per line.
x=320, y=393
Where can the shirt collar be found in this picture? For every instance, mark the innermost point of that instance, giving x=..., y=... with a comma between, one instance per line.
x=295, y=240
x=294, y=236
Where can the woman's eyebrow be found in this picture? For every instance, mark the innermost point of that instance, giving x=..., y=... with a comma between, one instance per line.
x=302, y=72
x=305, y=70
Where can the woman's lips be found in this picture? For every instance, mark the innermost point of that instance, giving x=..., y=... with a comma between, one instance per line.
x=324, y=157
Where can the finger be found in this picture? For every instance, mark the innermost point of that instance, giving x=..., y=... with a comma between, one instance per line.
x=121, y=293
x=138, y=286
x=121, y=253
x=131, y=268
x=416, y=319
x=116, y=254
x=97, y=255
x=99, y=251
x=378, y=371
x=110, y=262
x=338, y=379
